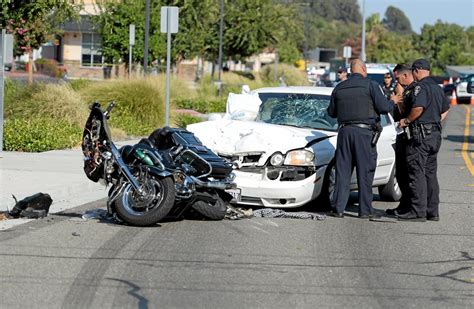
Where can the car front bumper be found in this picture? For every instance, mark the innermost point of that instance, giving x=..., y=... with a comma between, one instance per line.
x=258, y=190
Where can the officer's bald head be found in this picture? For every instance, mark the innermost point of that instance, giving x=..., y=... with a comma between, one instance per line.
x=358, y=66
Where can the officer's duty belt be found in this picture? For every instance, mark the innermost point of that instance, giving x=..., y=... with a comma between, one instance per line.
x=360, y=125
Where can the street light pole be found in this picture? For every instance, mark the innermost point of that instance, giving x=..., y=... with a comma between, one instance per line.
x=147, y=30
x=362, y=53
x=219, y=61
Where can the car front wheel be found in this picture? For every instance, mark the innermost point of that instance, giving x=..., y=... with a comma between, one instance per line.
x=390, y=191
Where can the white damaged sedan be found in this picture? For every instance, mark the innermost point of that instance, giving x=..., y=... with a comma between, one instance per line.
x=282, y=144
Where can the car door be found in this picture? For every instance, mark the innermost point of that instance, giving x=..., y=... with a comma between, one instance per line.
x=385, y=150
x=385, y=153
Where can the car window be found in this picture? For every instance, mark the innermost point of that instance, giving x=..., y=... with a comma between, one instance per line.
x=378, y=77
x=298, y=110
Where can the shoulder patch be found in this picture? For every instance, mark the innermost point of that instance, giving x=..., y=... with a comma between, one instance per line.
x=417, y=90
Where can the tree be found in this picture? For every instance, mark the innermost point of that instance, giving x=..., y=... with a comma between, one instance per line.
x=445, y=44
x=250, y=26
x=344, y=10
x=33, y=23
x=395, y=20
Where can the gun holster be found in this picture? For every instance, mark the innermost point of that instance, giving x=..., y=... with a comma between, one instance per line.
x=376, y=132
x=417, y=133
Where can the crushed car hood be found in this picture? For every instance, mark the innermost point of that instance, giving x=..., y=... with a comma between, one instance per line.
x=227, y=137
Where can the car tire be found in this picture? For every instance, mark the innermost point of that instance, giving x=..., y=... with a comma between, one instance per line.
x=323, y=202
x=390, y=191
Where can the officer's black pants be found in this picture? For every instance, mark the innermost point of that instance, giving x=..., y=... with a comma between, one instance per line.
x=354, y=149
x=422, y=169
x=401, y=171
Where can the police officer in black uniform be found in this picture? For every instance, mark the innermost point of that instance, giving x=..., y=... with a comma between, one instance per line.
x=430, y=107
x=405, y=80
x=357, y=103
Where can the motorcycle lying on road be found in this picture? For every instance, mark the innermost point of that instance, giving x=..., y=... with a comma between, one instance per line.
x=165, y=175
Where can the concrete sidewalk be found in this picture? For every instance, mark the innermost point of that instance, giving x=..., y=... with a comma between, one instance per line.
x=58, y=173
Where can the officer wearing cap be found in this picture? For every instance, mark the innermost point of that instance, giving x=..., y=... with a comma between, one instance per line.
x=405, y=80
x=357, y=104
x=342, y=73
x=430, y=107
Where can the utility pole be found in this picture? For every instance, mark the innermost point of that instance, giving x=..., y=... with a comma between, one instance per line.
x=362, y=52
x=219, y=60
x=147, y=30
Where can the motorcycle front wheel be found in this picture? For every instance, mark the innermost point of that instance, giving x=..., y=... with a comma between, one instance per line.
x=149, y=207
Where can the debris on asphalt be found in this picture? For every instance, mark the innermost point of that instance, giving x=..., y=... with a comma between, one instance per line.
x=101, y=215
x=95, y=214
x=31, y=207
x=279, y=213
x=75, y=234
x=235, y=213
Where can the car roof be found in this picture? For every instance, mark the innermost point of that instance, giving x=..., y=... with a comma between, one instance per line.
x=296, y=89
x=378, y=68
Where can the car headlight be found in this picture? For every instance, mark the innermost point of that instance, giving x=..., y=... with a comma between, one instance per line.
x=300, y=157
x=276, y=159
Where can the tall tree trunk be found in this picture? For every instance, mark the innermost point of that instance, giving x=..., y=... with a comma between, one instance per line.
x=213, y=70
x=30, y=68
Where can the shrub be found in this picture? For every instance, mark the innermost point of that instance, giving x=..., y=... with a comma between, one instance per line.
x=49, y=101
x=140, y=107
x=40, y=134
x=202, y=105
x=50, y=67
x=231, y=82
x=182, y=120
x=292, y=75
x=79, y=84
x=16, y=93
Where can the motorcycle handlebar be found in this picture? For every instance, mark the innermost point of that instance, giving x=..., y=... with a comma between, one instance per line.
x=109, y=108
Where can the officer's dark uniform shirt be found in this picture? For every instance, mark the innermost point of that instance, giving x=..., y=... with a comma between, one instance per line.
x=408, y=98
x=388, y=91
x=431, y=97
x=358, y=100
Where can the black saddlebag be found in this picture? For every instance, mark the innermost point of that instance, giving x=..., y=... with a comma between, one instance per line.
x=165, y=138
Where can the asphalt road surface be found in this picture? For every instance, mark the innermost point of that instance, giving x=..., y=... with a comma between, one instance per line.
x=65, y=261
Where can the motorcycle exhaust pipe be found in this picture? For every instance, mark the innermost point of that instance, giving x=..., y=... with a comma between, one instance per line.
x=221, y=185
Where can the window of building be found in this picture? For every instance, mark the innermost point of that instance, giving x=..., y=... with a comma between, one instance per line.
x=91, y=50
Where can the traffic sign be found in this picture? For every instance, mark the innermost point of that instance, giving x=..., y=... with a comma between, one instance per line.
x=169, y=19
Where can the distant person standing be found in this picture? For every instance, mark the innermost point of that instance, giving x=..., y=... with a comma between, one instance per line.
x=407, y=84
x=388, y=85
x=430, y=107
x=342, y=74
x=357, y=104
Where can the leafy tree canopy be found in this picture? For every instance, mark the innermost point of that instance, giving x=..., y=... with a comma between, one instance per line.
x=445, y=43
x=342, y=10
x=34, y=22
x=249, y=27
x=396, y=20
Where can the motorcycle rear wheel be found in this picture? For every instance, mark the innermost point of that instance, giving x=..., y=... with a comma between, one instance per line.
x=149, y=208
x=212, y=211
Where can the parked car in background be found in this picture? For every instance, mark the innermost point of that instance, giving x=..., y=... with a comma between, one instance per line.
x=464, y=89
x=283, y=145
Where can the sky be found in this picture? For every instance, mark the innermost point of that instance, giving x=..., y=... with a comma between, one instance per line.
x=421, y=12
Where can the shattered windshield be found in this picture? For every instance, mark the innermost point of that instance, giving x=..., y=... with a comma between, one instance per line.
x=298, y=110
